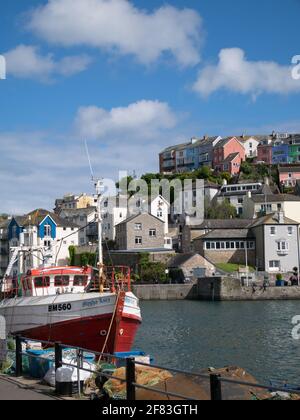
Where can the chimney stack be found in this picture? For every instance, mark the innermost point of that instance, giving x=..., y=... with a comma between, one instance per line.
x=281, y=217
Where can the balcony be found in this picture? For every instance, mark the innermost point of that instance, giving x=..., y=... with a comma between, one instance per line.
x=283, y=252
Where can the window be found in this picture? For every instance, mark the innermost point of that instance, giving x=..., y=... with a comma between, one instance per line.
x=282, y=246
x=290, y=230
x=208, y=245
x=80, y=281
x=138, y=240
x=272, y=230
x=47, y=244
x=274, y=264
x=47, y=231
x=152, y=233
x=159, y=214
x=61, y=281
x=138, y=226
x=40, y=282
x=266, y=207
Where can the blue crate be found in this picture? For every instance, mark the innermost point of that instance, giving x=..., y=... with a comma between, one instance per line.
x=39, y=367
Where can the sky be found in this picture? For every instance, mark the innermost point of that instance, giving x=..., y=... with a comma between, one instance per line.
x=130, y=78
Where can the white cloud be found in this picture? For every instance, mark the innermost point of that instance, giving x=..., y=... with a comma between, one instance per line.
x=53, y=164
x=119, y=26
x=235, y=73
x=142, y=119
x=26, y=62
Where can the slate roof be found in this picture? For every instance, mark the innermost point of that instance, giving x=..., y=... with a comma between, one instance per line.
x=275, y=198
x=198, y=142
x=131, y=218
x=230, y=157
x=289, y=169
x=35, y=217
x=272, y=219
x=224, y=141
x=228, y=234
x=212, y=224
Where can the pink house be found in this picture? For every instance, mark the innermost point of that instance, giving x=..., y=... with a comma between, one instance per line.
x=288, y=175
x=229, y=153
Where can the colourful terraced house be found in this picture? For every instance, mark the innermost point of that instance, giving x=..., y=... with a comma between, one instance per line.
x=294, y=149
x=280, y=152
x=228, y=155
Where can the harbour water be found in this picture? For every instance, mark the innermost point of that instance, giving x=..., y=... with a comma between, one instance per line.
x=194, y=335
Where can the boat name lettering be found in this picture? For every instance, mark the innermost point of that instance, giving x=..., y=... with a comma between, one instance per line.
x=60, y=307
x=95, y=302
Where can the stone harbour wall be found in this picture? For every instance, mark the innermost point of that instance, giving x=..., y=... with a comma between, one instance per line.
x=226, y=288
x=214, y=289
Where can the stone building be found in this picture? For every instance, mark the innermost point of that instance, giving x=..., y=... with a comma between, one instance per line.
x=235, y=246
x=140, y=232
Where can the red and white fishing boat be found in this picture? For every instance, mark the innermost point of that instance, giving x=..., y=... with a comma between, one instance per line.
x=58, y=304
x=77, y=306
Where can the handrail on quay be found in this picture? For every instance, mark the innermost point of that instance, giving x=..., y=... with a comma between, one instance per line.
x=214, y=379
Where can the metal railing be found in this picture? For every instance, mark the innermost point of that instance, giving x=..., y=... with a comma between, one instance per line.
x=215, y=381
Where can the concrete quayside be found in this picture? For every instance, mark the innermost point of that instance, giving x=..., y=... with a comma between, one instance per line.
x=216, y=289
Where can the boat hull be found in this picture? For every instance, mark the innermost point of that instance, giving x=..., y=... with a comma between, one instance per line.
x=87, y=321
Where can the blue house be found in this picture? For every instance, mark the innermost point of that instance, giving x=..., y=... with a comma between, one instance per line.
x=280, y=153
x=40, y=219
x=50, y=235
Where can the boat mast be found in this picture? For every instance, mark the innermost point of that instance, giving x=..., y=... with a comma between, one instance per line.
x=99, y=189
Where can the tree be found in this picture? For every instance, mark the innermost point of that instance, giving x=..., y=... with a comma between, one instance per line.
x=220, y=211
x=203, y=173
x=124, y=183
x=72, y=254
x=247, y=168
x=226, y=175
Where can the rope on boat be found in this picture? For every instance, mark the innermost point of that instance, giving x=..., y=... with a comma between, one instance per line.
x=111, y=325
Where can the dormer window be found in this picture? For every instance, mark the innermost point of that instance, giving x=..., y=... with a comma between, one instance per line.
x=47, y=231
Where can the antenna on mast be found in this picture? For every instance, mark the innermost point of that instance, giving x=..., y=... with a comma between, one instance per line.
x=98, y=184
x=89, y=159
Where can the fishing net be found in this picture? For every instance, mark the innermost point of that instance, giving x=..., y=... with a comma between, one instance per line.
x=116, y=389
